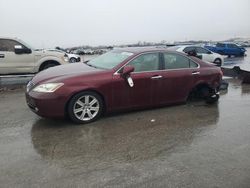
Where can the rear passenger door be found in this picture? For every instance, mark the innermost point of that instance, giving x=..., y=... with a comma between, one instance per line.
x=178, y=77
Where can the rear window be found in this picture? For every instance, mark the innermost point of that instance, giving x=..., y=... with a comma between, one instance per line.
x=189, y=49
x=176, y=61
x=232, y=46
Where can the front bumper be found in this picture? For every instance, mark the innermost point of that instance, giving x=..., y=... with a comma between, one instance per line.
x=46, y=104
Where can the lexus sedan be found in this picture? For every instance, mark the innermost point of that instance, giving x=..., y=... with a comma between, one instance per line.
x=129, y=78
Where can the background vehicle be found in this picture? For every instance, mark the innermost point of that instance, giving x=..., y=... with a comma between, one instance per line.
x=121, y=79
x=228, y=49
x=73, y=58
x=205, y=54
x=18, y=57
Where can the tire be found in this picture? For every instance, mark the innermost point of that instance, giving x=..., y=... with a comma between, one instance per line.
x=209, y=95
x=48, y=65
x=218, y=62
x=242, y=54
x=73, y=60
x=212, y=99
x=85, y=107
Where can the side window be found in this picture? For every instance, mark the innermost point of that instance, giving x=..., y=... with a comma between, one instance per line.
x=192, y=64
x=188, y=49
x=8, y=45
x=146, y=62
x=200, y=50
x=220, y=45
x=232, y=46
x=176, y=61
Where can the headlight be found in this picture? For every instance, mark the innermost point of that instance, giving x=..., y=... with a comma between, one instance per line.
x=47, y=88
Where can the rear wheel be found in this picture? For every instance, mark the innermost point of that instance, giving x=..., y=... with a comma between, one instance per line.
x=204, y=92
x=72, y=60
x=218, y=62
x=209, y=95
x=85, y=107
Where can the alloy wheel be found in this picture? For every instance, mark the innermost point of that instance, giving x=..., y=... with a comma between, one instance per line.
x=86, y=108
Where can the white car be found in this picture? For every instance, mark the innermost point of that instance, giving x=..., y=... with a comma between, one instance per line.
x=205, y=54
x=16, y=57
x=73, y=58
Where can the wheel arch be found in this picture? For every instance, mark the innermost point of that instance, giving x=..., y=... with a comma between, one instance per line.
x=46, y=63
x=198, y=86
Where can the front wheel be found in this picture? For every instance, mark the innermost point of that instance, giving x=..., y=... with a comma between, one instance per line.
x=85, y=107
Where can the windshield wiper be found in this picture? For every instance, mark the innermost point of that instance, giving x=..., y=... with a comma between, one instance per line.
x=91, y=65
x=95, y=66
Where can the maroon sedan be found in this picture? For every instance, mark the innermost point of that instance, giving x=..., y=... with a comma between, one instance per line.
x=129, y=78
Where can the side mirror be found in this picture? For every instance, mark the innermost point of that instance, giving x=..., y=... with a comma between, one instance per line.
x=209, y=52
x=127, y=70
x=20, y=50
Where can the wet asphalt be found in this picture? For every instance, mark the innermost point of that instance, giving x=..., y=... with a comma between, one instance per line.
x=190, y=145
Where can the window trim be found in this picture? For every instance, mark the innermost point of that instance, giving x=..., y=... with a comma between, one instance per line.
x=198, y=65
x=197, y=47
x=161, y=61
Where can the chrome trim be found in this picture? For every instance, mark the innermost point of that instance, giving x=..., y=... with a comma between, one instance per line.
x=117, y=72
x=194, y=73
x=156, y=77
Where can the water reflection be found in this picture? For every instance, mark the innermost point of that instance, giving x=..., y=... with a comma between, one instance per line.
x=123, y=138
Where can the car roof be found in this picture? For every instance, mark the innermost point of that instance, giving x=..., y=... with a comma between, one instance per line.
x=9, y=38
x=137, y=50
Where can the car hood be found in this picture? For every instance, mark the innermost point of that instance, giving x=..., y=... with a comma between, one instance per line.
x=65, y=71
x=44, y=52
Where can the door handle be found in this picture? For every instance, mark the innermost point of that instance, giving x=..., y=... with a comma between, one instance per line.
x=195, y=72
x=1, y=55
x=156, y=77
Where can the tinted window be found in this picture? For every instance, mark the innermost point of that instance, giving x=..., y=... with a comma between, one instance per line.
x=146, y=62
x=232, y=46
x=8, y=45
x=176, y=61
x=220, y=45
x=188, y=49
x=192, y=64
x=200, y=50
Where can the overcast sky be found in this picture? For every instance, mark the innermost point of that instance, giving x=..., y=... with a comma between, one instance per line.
x=50, y=23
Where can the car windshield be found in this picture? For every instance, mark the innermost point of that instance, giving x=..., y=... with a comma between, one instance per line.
x=109, y=60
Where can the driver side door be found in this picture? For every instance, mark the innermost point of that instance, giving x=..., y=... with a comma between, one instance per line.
x=142, y=93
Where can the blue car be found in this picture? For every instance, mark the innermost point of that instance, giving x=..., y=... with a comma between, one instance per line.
x=229, y=49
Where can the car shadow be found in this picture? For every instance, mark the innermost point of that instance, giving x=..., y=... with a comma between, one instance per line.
x=122, y=138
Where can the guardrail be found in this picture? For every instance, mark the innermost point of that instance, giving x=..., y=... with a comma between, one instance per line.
x=10, y=80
